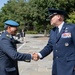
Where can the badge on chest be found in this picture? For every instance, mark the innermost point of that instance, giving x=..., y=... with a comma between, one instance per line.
x=66, y=44
x=66, y=35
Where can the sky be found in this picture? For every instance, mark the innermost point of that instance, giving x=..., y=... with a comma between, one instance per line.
x=2, y=2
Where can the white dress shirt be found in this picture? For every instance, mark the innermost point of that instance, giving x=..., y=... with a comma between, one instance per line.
x=60, y=26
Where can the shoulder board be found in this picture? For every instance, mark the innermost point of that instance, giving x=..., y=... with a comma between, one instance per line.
x=9, y=36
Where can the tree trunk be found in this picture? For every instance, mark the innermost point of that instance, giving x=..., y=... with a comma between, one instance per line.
x=45, y=33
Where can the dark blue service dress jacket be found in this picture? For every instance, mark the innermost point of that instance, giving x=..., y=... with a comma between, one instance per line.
x=63, y=48
x=9, y=55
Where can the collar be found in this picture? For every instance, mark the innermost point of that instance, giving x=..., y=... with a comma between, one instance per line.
x=60, y=26
x=8, y=35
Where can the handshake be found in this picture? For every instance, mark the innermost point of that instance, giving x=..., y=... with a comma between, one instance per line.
x=35, y=57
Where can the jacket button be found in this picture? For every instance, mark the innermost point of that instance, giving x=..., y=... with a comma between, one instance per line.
x=56, y=57
x=56, y=50
x=56, y=43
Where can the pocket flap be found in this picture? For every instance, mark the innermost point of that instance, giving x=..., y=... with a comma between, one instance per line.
x=10, y=69
x=72, y=58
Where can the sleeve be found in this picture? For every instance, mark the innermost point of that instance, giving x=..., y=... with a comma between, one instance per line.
x=47, y=49
x=40, y=55
x=10, y=51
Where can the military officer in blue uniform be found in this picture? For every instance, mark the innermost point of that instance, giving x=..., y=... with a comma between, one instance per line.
x=8, y=51
x=62, y=43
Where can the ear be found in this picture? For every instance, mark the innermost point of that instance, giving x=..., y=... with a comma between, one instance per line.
x=59, y=17
x=9, y=27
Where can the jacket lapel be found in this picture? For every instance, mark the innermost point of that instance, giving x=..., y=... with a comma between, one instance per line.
x=53, y=35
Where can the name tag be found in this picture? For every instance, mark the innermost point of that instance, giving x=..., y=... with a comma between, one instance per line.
x=66, y=35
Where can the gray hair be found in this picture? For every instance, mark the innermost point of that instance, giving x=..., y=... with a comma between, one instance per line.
x=5, y=27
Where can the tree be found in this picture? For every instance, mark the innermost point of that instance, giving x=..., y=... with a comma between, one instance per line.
x=14, y=10
x=71, y=17
x=34, y=12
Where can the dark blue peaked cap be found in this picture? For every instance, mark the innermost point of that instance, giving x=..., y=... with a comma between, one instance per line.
x=11, y=23
x=53, y=12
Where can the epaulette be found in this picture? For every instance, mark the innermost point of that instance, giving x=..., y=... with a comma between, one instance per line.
x=9, y=36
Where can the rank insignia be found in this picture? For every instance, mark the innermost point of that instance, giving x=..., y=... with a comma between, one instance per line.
x=9, y=36
x=66, y=29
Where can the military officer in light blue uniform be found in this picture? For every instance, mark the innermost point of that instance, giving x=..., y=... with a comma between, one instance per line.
x=62, y=43
x=8, y=51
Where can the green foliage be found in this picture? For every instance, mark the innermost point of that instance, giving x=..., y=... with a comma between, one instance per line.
x=71, y=17
x=35, y=12
x=31, y=32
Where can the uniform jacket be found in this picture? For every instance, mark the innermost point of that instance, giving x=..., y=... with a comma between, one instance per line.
x=9, y=55
x=63, y=48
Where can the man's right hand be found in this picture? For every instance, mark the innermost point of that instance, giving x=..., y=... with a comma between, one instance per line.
x=35, y=56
